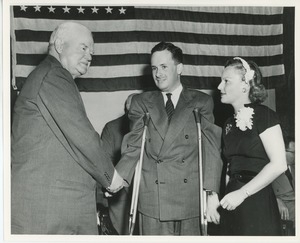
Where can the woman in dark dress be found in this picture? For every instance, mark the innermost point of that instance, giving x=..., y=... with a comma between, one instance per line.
x=254, y=151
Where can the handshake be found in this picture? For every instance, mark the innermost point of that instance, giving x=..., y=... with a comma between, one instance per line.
x=116, y=185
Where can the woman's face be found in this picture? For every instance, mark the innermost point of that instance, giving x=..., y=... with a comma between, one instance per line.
x=232, y=87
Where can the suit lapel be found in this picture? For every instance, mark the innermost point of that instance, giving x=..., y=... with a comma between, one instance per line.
x=156, y=109
x=182, y=113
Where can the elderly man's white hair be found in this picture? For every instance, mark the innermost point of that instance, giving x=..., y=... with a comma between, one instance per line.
x=62, y=31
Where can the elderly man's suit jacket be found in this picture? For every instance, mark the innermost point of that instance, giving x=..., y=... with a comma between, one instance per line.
x=57, y=157
x=169, y=188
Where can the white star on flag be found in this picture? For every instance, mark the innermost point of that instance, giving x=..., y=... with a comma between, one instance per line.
x=80, y=10
x=108, y=10
x=51, y=9
x=37, y=8
x=122, y=10
x=23, y=8
x=66, y=9
x=95, y=10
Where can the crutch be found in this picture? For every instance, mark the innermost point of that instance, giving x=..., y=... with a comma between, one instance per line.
x=137, y=178
x=202, y=192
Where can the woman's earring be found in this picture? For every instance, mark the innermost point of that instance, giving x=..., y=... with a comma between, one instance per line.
x=244, y=90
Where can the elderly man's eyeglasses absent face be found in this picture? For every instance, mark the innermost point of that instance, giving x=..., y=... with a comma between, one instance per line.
x=77, y=51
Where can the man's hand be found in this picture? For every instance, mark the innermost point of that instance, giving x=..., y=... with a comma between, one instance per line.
x=283, y=210
x=117, y=183
x=212, y=213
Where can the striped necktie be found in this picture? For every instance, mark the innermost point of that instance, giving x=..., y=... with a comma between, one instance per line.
x=169, y=107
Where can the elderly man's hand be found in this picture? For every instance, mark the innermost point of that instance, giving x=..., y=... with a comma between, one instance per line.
x=117, y=183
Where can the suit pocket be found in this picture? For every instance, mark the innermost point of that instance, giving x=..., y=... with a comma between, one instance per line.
x=71, y=193
x=70, y=202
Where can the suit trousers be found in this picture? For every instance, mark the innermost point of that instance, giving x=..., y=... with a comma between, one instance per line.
x=153, y=226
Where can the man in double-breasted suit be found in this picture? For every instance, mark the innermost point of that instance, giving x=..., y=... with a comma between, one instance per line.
x=56, y=154
x=169, y=189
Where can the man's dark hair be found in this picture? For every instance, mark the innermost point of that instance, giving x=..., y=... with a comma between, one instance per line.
x=175, y=50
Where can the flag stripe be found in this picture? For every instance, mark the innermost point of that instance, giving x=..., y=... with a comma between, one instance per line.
x=223, y=9
x=111, y=60
x=211, y=17
x=145, y=48
x=116, y=26
x=116, y=37
x=146, y=83
x=144, y=69
x=124, y=37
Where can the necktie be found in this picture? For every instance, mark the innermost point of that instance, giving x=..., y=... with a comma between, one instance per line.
x=169, y=107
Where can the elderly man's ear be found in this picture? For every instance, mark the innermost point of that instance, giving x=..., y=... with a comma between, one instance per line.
x=58, y=44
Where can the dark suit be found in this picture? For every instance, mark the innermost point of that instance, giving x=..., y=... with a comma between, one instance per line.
x=169, y=188
x=112, y=136
x=284, y=191
x=57, y=156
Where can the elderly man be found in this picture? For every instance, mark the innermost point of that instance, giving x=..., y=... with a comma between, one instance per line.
x=56, y=155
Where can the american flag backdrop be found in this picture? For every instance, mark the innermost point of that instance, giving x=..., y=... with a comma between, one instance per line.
x=125, y=35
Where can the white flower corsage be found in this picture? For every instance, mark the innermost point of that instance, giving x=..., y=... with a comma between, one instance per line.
x=243, y=118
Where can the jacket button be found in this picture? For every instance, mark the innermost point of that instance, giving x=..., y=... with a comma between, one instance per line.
x=187, y=136
x=159, y=161
x=183, y=160
x=156, y=181
x=185, y=180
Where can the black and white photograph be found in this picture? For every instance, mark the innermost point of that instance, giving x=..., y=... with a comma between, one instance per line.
x=130, y=121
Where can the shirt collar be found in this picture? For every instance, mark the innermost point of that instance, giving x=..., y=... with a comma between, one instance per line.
x=175, y=95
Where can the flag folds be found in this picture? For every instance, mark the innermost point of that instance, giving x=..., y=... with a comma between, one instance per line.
x=125, y=35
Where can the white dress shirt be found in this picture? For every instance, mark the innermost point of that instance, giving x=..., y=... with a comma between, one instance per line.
x=175, y=95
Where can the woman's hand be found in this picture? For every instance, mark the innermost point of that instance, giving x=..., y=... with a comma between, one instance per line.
x=233, y=199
